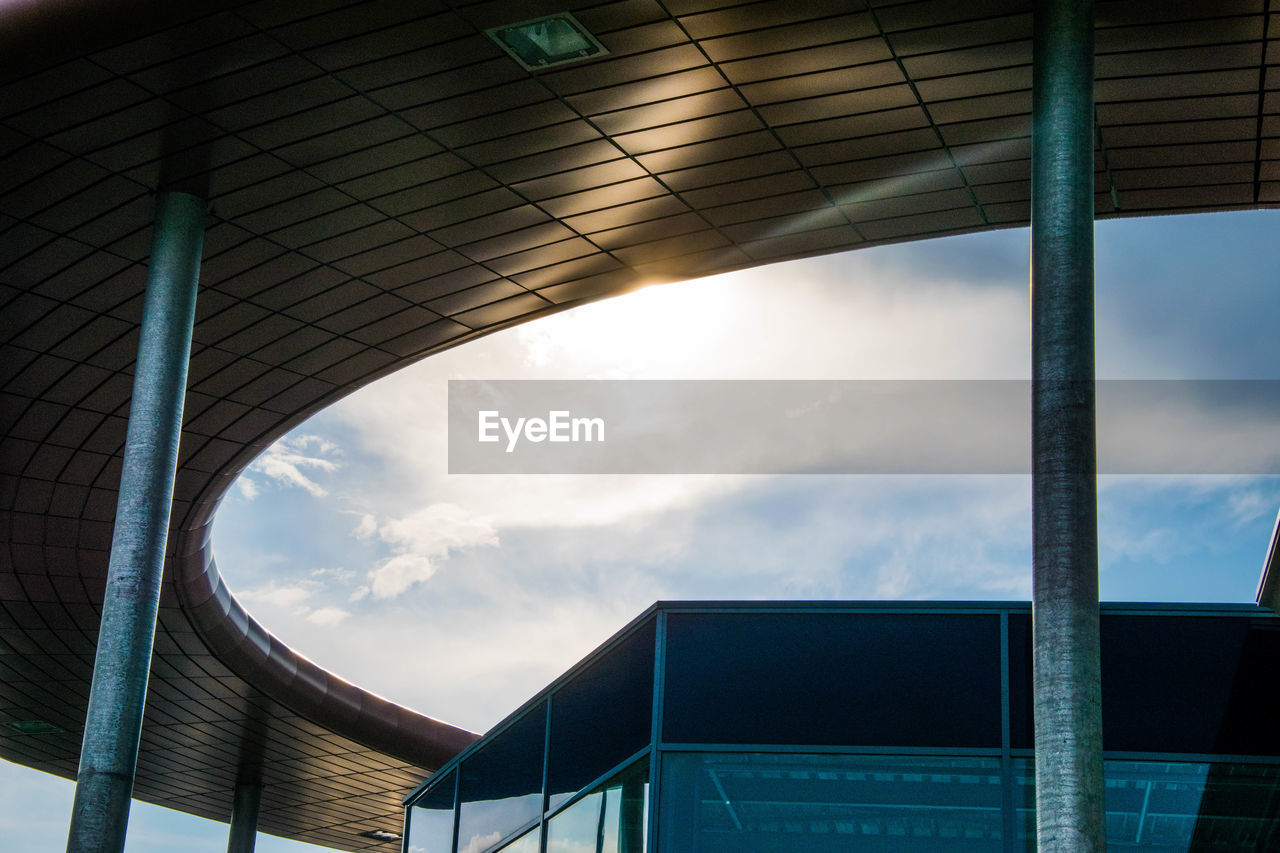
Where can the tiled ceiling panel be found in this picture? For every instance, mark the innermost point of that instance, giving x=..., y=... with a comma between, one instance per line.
x=385, y=182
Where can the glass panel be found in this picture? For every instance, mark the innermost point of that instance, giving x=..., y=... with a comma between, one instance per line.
x=601, y=717
x=609, y=830
x=1171, y=683
x=1190, y=684
x=1177, y=807
x=779, y=803
x=1021, y=720
x=527, y=843
x=576, y=829
x=858, y=679
x=613, y=819
x=431, y=819
x=501, y=785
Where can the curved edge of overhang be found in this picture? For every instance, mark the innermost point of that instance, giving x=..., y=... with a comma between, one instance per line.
x=268, y=664
x=262, y=659
x=265, y=662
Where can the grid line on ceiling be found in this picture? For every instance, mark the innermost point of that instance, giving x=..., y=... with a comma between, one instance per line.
x=998, y=176
x=645, y=172
x=123, y=258
x=799, y=145
x=112, y=375
x=592, y=121
x=934, y=137
x=1262, y=97
x=426, y=134
x=54, y=239
x=792, y=146
x=970, y=153
x=933, y=125
x=283, y=247
x=755, y=111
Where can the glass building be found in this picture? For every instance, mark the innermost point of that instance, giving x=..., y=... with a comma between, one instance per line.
x=779, y=727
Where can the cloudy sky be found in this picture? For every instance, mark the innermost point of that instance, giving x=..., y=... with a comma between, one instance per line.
x=461, y=596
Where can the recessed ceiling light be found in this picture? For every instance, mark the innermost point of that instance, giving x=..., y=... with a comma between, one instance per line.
x=381, y=835
x=544, y=42
x=32, y=727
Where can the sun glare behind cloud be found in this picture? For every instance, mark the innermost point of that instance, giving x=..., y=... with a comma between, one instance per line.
x=497, y=583
x=614, y=339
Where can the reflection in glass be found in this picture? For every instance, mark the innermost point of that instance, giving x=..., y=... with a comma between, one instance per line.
x=782, y=803
x=1177, y=807
x=500, y=789
x=431, y=820
x=612, y=819
x=527, y=843
x=430, y=831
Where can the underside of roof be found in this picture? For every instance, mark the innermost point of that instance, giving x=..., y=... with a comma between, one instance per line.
x=386, y=182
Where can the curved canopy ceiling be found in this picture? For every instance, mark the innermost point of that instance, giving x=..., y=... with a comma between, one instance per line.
x=385, y=182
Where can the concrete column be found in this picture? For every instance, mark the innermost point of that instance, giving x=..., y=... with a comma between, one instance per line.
x=1067, y=684
x=113, y=725
x=244, y=817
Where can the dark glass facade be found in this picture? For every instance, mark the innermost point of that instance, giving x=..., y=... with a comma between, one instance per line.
x=792, y=727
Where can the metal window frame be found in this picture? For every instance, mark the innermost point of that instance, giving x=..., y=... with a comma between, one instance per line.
x=657, y=747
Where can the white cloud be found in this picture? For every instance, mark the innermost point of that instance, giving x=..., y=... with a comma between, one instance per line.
x=497, y=624
x=399, y=573
x=1137, y=544
x=849, y=319
x=438, y=528
x=289, y=596
x=1250, y=506
x=275, y=600
x=285, y=460
x=339, y=575
x=328, y=616
x=423, y=539
x=247, y=487
x=480, y=842
x=581, y=556
x=367, y=527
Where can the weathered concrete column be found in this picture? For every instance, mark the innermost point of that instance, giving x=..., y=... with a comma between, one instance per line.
x=1067, y=685
x=113, y=725
x=244, y=817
